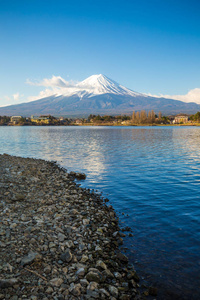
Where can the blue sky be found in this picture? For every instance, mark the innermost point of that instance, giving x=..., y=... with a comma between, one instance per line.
x=148, y=46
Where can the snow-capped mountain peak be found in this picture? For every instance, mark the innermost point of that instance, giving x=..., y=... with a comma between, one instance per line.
x=97, y=94
x=97, y=85
x=101, y=84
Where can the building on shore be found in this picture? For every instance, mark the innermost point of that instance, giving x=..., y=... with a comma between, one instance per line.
x=78, y=122
x=180, y=120
x=40, y=120
x=15, y=119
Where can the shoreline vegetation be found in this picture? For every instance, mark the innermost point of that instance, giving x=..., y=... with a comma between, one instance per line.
x=141, y=118
x=58, y=240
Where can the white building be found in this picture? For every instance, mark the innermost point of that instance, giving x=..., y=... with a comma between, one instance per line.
x=180, y=119
x=15, y=119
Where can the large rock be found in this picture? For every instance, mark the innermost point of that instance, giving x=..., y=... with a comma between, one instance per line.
x=92, y=290
x=113, y=290
x=75, y=289
x=101, y=265
x=94, y=276
x=122, y=257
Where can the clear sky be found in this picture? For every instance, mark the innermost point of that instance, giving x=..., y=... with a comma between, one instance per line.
x=149, y=46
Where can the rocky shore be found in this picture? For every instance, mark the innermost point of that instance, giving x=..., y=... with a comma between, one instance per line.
x=58, y=240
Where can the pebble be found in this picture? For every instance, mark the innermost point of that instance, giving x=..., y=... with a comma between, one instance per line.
x=101, y=265
x=58, y=241
x=93, y=276
x=26, y=260
x=114, y=291
x=80, y=272
x=67, y=256
x=5, y=283
x=56, y=282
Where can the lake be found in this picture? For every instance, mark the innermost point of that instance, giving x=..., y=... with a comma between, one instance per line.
x=151, y=175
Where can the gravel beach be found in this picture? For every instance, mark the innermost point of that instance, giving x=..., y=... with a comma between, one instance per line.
x=58, y=240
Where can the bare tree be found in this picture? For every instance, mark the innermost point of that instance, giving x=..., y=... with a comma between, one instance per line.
x=137, y=117
x=153, y=116
x=143, y=117
x=149, y=117
x=133, y=117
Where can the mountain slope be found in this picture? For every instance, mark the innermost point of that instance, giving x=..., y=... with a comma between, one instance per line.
x=100, y=84
x=98, y=95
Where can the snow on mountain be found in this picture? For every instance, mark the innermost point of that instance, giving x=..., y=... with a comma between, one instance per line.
x=100, y=84
x=97, y=94
x=97, y=85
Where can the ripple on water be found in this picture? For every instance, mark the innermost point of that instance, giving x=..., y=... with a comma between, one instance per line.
x=152, y=174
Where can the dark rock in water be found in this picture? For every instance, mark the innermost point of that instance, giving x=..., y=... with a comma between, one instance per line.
x=126, y=228
x=79, y=176
x=153, y=291
x=136, y=277
x=73, y=174
x=122, y=257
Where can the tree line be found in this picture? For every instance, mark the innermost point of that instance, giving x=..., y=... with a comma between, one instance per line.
x=4, y=120
x=107, y=118
x=143, y=117
x=195, y=117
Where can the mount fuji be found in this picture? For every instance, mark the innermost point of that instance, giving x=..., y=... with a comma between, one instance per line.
x=99, y=85
x=97, y=95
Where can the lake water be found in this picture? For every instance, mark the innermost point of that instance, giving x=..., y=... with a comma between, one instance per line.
x=151, y=174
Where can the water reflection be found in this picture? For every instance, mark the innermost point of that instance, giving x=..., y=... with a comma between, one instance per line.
x=152, y=173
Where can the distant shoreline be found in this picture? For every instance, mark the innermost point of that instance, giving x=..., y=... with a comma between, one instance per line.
x=99, y=125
